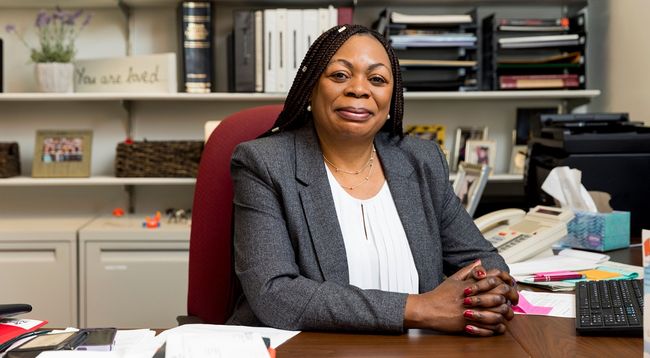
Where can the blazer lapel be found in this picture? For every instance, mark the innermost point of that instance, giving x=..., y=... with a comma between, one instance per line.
x=405, y=190
x=318, y=207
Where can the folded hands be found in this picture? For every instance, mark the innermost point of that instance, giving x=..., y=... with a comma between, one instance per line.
x=474, y=300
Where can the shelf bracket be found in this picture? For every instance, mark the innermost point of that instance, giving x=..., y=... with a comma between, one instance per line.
x=128, y=125
x=130, y=191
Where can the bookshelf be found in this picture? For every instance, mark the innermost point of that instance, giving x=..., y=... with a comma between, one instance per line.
x=132, y=26
x=259, y=97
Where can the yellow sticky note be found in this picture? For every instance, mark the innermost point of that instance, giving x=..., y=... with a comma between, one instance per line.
x=599, y=274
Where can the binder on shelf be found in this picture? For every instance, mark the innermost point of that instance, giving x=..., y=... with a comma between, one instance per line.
x=244, y=50
x=259, y=51
x=196, y=44
x=270, y=51
x=311, y=29
x=294, y=49
x=281, y=68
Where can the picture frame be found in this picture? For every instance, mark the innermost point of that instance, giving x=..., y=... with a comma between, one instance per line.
x=435, y=132
x=481, y=152
x=518, y=159
x=463, y=134
x=62, y=154
x=469, y=184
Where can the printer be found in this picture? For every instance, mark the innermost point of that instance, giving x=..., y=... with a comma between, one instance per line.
x=612, y=152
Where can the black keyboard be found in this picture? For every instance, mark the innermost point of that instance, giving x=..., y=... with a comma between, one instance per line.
x=609, y=307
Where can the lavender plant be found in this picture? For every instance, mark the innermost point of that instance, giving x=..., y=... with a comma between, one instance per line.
x=57, y=32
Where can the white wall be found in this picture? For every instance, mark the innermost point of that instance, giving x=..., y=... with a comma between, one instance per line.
x=620, y=56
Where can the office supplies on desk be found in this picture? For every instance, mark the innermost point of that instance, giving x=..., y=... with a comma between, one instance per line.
x=557, y=276
x=609, y=307
x=11, y=328
x=98, y=339
x=567, y=259
x=13, y=309
x=48, y=342
x=546, y=304
x=519, y=235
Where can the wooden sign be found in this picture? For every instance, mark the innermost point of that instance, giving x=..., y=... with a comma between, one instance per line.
x=143, y=73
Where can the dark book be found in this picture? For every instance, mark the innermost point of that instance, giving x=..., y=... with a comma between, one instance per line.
x=345, y=15
x=196, y=46
x=230, y=61
x=1, y=68
x=244, y=50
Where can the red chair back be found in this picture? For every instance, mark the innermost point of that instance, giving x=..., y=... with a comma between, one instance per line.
x=213, y=286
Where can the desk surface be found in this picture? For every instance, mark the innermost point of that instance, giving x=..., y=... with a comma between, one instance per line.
x=527, y=336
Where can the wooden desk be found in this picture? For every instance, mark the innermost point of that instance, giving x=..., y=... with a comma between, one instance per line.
x=416, y=343
x=527, y=336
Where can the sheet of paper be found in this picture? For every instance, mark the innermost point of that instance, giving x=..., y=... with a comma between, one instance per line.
x=563, y=304
x=215, y=345
x=554, y=263
x=277, y=336
x=78, y=354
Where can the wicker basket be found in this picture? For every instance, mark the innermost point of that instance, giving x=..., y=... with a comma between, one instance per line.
x=9, y=160
x=158, y=159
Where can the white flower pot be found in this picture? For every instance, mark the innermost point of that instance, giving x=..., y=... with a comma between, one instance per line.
x=55, y=77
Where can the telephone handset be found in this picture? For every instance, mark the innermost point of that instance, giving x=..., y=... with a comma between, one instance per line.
x=518, y=235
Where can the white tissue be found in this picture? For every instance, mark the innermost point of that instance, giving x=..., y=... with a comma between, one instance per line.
x=564, y=184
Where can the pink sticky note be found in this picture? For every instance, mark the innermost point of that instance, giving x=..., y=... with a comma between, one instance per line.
x=526, y=307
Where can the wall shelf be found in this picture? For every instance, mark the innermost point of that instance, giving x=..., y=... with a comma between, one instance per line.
x=274, y=97
x=93, y=181
x=113, y=181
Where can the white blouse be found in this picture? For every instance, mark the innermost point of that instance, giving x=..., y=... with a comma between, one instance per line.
x=378, y=253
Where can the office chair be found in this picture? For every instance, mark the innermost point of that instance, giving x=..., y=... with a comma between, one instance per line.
x=213, y=287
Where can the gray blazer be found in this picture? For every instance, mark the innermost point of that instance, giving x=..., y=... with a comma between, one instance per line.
x=289, y=250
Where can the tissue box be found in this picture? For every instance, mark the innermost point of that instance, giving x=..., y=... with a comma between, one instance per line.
x=599, y=231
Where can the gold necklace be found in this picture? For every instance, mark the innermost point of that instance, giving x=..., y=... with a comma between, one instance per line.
x=356, y=172
x=365, y=179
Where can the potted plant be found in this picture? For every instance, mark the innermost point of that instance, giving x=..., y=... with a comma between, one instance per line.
x=57, y=32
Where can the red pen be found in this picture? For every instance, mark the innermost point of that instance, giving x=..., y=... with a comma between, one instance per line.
x=561, y=277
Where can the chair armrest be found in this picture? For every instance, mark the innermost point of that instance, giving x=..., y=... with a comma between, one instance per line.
x=188, y=320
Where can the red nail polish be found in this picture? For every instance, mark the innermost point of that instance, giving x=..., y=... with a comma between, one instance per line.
x=468, y=291
x=467, y=301
x=468, y=314
x=469, y=329
x=480, y=273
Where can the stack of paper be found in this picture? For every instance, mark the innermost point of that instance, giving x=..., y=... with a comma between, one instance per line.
x=592, y=266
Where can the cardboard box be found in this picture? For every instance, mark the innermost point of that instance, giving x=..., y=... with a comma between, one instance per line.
x=599, y=231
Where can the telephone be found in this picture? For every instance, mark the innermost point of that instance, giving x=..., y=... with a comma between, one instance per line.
x=518, y=235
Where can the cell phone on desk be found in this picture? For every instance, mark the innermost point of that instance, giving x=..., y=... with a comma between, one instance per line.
x=518, y=235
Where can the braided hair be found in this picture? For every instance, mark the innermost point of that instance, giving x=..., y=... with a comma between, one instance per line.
x=295, y=115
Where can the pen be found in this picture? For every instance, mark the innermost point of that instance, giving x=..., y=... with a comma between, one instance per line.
x=547, y=278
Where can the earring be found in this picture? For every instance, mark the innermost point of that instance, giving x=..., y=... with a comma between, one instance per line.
x=309, y=108
x=388, y=116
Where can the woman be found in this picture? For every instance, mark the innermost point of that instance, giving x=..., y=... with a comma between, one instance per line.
x=342, y=223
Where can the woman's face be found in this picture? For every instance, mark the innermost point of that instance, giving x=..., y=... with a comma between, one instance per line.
x=352, y=97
